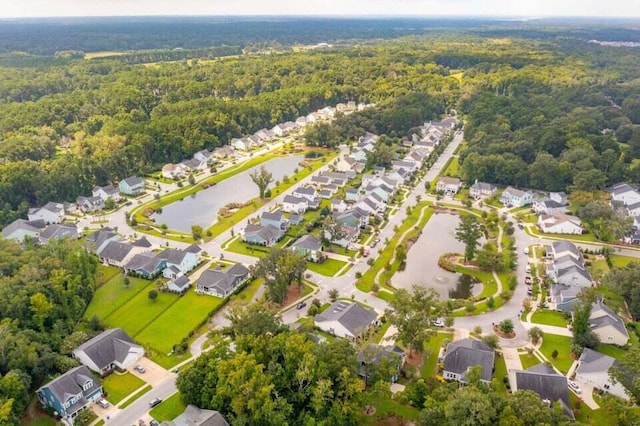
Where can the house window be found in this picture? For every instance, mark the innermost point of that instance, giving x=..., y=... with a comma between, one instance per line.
x=88, y=385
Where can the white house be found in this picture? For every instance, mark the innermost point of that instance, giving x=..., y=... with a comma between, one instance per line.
x=608, y=326
x=178, y=262
x=109, y=350
x=309, y=193
x=241, y=144
x=346, y=319
x=204, y=155
x=20, y=229
x=50, y=213
x=482, y=190
x=560, y=223
x=106, y=192
x=624, y=193
x=547, y=206
x=593, y=369
x=512, y=197
x=174, y=171
x=448, y=185
x=293, y=204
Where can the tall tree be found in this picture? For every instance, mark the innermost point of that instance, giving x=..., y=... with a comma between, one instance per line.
x=469, y=232
x=280, y=268
x=262, y=178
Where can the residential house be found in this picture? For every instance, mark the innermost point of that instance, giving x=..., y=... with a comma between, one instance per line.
x=346, y=319
x=70, y=393
x=313, y=117
x=608, y=326
x=548, y=206
x=196, y=250
x=373, y=354
x=563, y=297
x=109, y=350
x=355, y=218
x=50, y=213
x=338, y=205
x=174, y=171
x=624, y=193
x=178, y=262
x=482, y=190
x=146, y=265
x=107, y=192
x=512, y=197
x=593, y=369
x=193, y=165
x=546, y=382
x=320, y=180
x=301, y=121
x=464, y=354
x=345, y=163
x=275, y=219
x=265, y=135
x=280, y=130
x=310, y=247
x=563, y=248
x=325, y=194
x=89, y=204
x=58, y=231
x=241, y=144
x=560, y=223
x=20, y=229
x=295, y=219
x=204, y=155
x=133, y=185
x=261, y=235
x=179, y=285
x=633, y=210
x=310, y=194
x=194, y=416
x=222, y=152
x=351, y=195
x=96, y=241
x=293, y=204
x=359, y=156
x=222, y=283
x=412, y=166
x=117, y=253
x=372, y=204
x=570, y=272
x=349, y=235
x=448, y=185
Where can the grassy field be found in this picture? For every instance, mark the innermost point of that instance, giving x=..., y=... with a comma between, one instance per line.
x=41, y=421
x=176, y=322
x=169, y=409
x=528, y=360
x=112, y=295
x=118, y=386
x=563, y=345
x=105, y=273
x=432, y=349
x=452, y=168
x=328, y=268
x=549, y=318
x=387, y=407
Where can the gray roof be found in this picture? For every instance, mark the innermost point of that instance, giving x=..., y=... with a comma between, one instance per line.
x=182, y=282
x=99, y=237
x=107, y=347
x=560, y=246
x=571, y=269
x=173, y=256
x=353, y=316
x=610, y=318
x=72, y=383
x=509, y=190
x=108, y=189
x=115, y=250
x=134, y=181
x=142, y=242
x=325, y=193
x=194, y=416
x=277, y=215
x=466, y=353
x=305, y=190
x=594, y=362
x=546, y=382
x=308, y=242
x=449, y=180
x=147, y=262
x=222, y=279
x=292, y=199
x=193, y=248
x=265, y=232
x=483, y=186
x=28, y=225
x=621, y=188
x=59, y=231
x=550, y=204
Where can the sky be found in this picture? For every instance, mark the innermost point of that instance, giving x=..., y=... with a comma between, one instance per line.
x=526, y=8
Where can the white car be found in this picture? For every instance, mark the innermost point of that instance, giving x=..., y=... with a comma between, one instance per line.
x=103, y=403
x=439, y=322
x=574, y=387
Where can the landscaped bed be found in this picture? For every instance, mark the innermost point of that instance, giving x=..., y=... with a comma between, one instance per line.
x=119, y=386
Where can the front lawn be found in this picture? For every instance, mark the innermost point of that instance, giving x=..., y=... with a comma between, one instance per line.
x=134, y=398
x=430, y=354
x=528, y=360
x=562, y=344
x=168, y=409
x=112, y=295
x=119, y=386
x=328, y=268
x=548, y=317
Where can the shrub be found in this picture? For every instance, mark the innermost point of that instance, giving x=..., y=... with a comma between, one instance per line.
x=554, y=354
x=506, y=326
x=491, y=302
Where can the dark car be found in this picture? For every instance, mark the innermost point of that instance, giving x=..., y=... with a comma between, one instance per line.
x=154, y=422
x=301, y=305
x=154, y=402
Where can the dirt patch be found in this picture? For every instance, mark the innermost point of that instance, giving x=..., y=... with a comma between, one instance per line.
x=414, y=359
x=293, y=293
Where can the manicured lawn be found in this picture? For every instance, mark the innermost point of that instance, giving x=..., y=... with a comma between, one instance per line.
x=563, y=345
x=105, y=273
x=612, y=350
x=452, y=168
x=42, y=421
x=499, y=373
x=118, y=386
x=168, y=409
x=387, y=407
x=528, y=360
x=140, y=311
x=137, y=396
x=548, y=317
x=240, y=247
x=113, y=294
x=431, y=351
x=587, y=416
x=176, y=322
x=328, y=268
x=620, y=261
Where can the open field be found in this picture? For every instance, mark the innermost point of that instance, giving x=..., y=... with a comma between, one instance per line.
x=113, y=294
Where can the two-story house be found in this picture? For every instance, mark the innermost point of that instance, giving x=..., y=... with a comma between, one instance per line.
x=133, y=185
x=448, y=185
x=512, y=197
x=50, y=213
x=71, y=392
x=482, y=190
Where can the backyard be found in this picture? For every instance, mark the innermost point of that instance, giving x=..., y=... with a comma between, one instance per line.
x=328, y=268
x=113, y=294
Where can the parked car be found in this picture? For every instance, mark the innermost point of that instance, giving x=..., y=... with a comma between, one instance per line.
x=103, y=403
x=140, y=369
x=154, y=422
x=575, y=387
x=154, y=402
x=301, y=305
x=529, y=292
x=439, y=322
x=526, y=250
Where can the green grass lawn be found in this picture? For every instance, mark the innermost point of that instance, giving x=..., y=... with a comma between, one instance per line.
x=528, y=360
x=563, y=345
x=118, y=386
x=169, y=409
x=548, y=317
x=112, y=295
x=388, y=407
x=134, y=398
x=452, y=168
x=586, y=415
x=328, y=268
x=176, y=322
x=499, y=373
x=42, y=421
x=620, y=261
x=105, y=273
x=612, y=350
x=432, y=349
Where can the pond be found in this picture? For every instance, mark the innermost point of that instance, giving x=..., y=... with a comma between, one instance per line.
x=437, y=238
x=202, y=207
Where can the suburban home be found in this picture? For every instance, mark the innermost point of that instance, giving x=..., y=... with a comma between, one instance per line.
x=222, y=283
x=320, y=180
x=194, y=165
x=241, y=144
x=564, y=248
x=547, y=206
x=325, y=194
x=372, y=354
x=146, y=265
x=96, y=241
x=109, y=350
x=546, y=382
x=196, y=250
x=464, y=354
x=203, y=155
x=593, y=369
x=338, y=205
x=349, y=236
x=20, y=229
x=573, y=276
x=262, y=235
x=58, y=231
x=179, y=285
x=265, y=135
x=226, y=151
x=563, y=297
x=89, y=204
x=310, y=247
x=178, y=262
x=71, y=392
x=194, y=416
x=351, y=195
x=359, y=156
x=309, y=193
x=313, y=117
x=624, y=193
x=633, y=210
x=280, y=130
x=608, y=326
x=448, y=185
x=355, y=218
x=482, y=190
x=346, y=319
x=293, y=204
x=275, y=219
x=50, y=213
x=345, y=163
x=295, y=219
x=106, y=192
x=174, y=171
x=133, y=185
x=117, y=253
x=512, y=197
x=560, y=223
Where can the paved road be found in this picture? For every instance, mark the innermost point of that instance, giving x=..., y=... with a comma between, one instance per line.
x=139, y=409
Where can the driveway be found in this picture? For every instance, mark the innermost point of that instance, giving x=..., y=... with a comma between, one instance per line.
x=153, y=375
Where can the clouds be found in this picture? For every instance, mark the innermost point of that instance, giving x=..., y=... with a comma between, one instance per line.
x=38, y=8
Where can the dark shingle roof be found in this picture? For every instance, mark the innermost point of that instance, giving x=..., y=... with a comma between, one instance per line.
x=277, y=215
x=59, y=231
x=72, y=383
x=193, y=248
x=182, y=282
x=546, y=382
x=107, y=347
x=142, y=242
x=134, y=181
x=194, y=416
x=467, y=353
x=308, y=242
x=115, y=250
x=222, y=280
x=353, y=316
x=28, y=225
